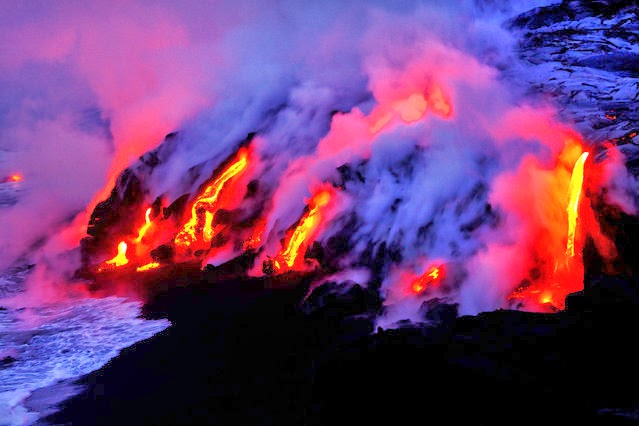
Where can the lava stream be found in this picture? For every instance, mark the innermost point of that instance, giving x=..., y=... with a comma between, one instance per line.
x=144, y=227
x=574, y=189
x=430, y=278
x=303, y=233
x=199, y=228
x=551, y=288
x=148, y=266
x=120, y=259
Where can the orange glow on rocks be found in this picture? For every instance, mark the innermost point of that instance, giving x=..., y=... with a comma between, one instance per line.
x=430, y=278
x=302, y=235
x=120, y=259
x=200, y=227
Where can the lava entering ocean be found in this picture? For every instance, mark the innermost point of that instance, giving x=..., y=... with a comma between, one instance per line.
x=362, y=144
x=549, y=286
x=419, y=163
x=521, y=222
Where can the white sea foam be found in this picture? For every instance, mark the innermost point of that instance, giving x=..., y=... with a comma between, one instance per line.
x=66, y=340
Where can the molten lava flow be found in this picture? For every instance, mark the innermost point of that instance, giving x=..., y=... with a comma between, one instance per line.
x=207, y=232
x=303, y=233
x=432, y=277
x=574, y=190
x=200, y=224
x=561, y=272
x=254, y=239
x=148, y=266
x=144, y=227
x=120, y=259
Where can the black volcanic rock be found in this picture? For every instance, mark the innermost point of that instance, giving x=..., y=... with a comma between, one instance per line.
x=6, y=361
x=245, y=351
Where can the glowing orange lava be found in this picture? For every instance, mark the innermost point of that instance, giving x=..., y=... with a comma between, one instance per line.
x=200, y=226
x=120, y=259
x=431, y=277
x=144, y=227
x=303, y=233
x=563, y=272
x=148, y=266
x=574, y=191
x=15, y=178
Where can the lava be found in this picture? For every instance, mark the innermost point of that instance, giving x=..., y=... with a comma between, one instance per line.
x=574, y=189
x=148, y=266
x=303, y=232
x=562, y=273
x=431, y=277
x=12, y=178
x=144, y=227
x=200, y=226
x=254, y=239
x=120, y=259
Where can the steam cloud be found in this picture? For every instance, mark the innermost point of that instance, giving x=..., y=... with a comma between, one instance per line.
x=402, y=106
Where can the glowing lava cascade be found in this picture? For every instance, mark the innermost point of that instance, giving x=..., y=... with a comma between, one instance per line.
x=199, y=228
x=298, y=239
x=552, y=283
x=368, y=144
x=574, y=190
x=450, y=185
x=197, y=231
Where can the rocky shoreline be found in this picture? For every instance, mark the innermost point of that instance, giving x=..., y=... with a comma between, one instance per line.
x=248, y=352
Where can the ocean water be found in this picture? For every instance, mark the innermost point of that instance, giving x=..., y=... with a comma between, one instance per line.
x=43, y=349
x=51, y=344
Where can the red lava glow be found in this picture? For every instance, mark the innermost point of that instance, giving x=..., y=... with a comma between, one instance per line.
x=148, y=266
x=200, y=228
x=562, y=275
x=297, y=242
x=145, y=227
x=254, y=240
x=574, y=191
x=12, y=178
x=432, y=277
x=120, y=259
